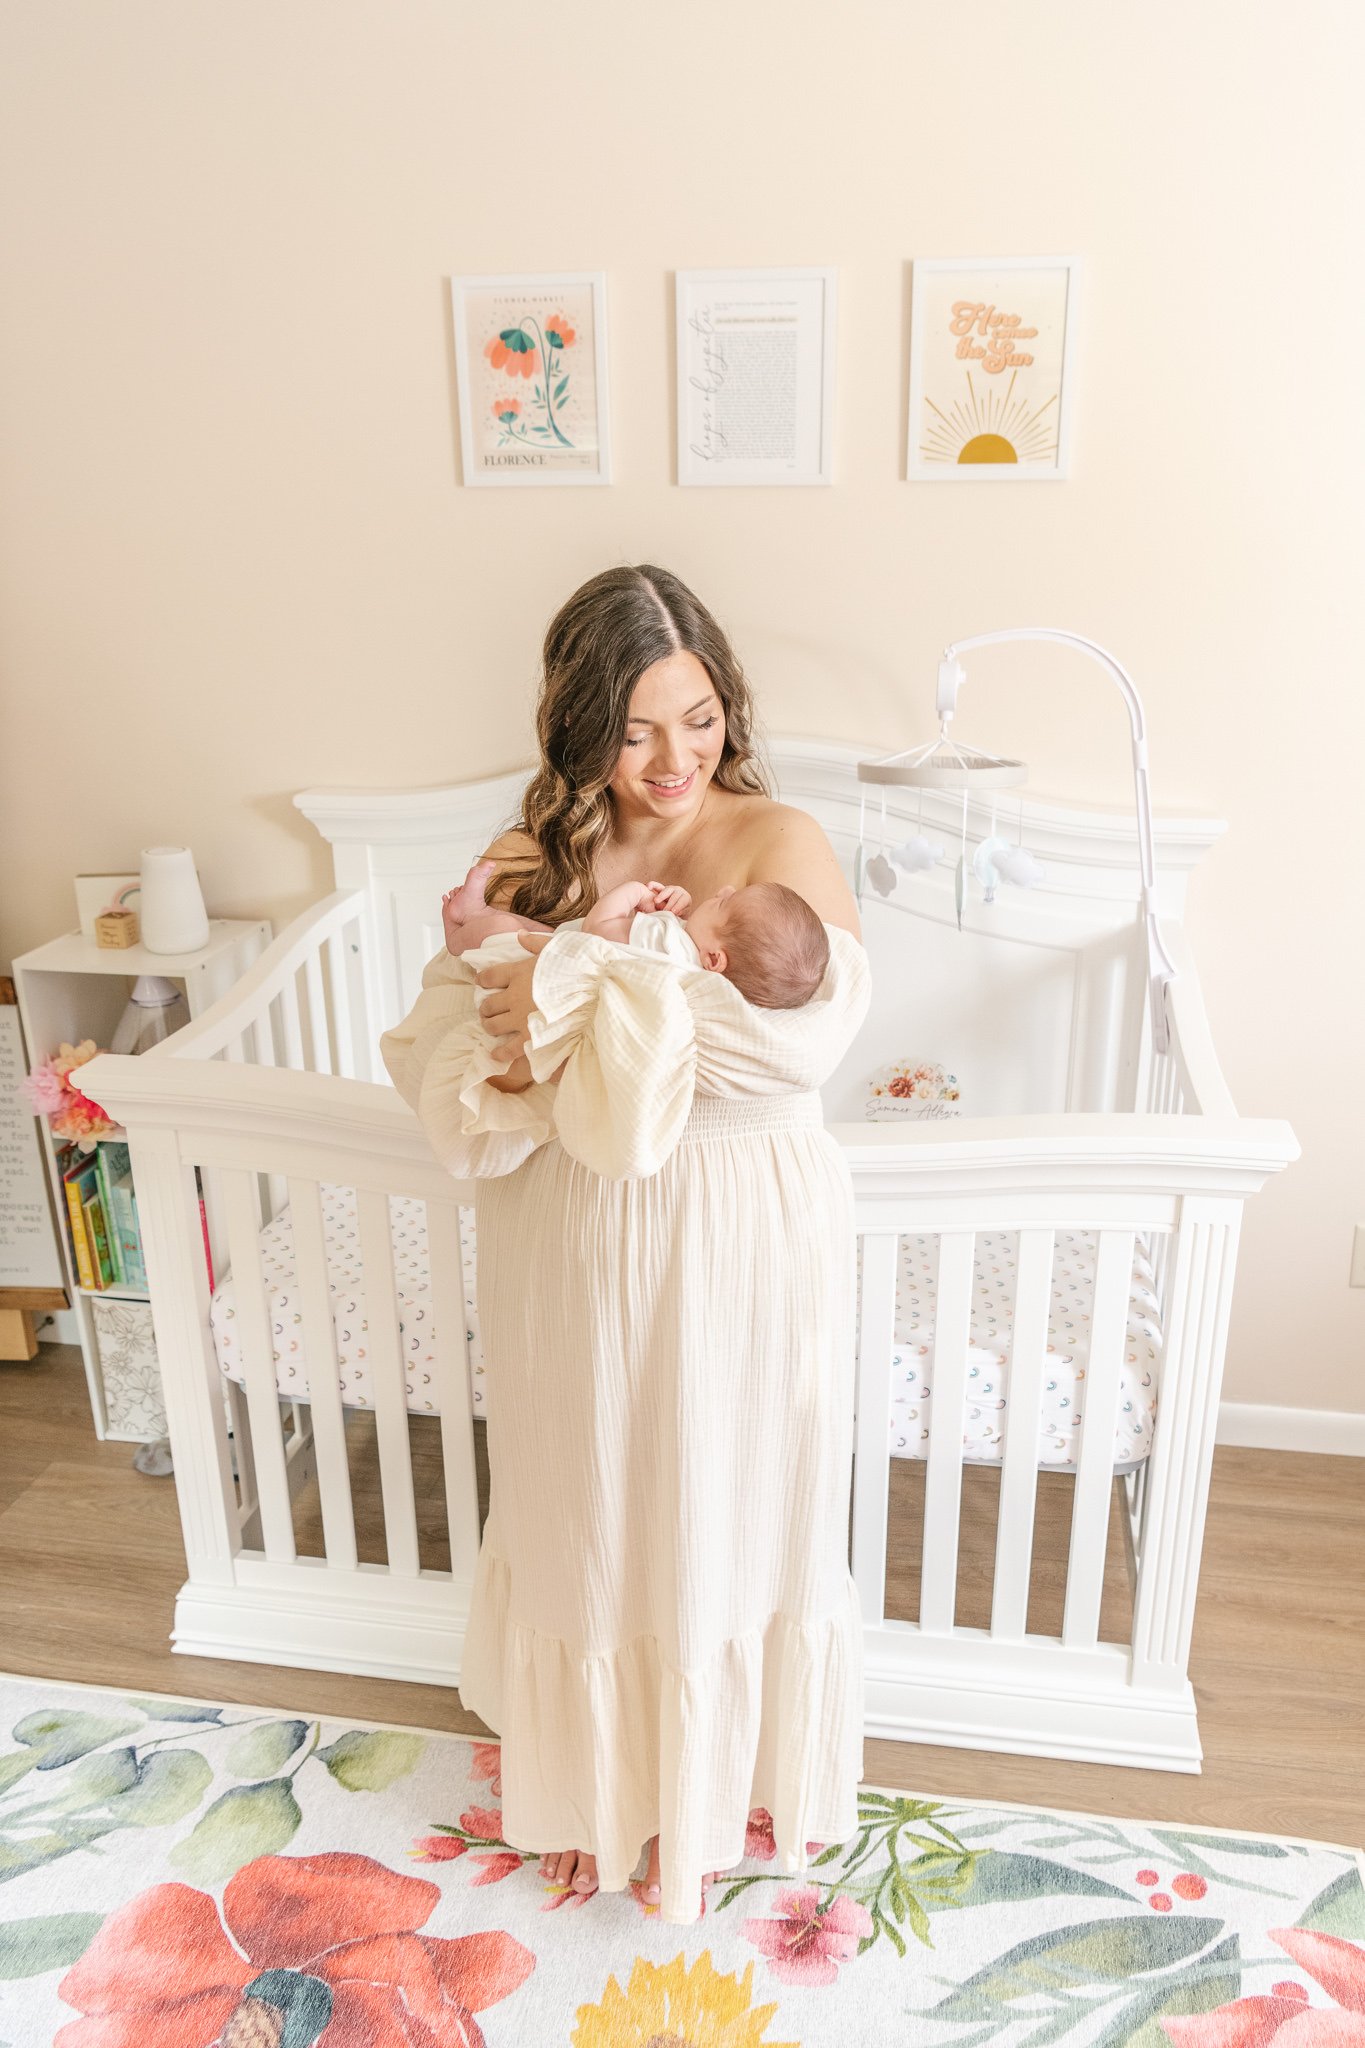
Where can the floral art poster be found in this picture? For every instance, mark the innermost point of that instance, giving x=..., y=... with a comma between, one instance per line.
x=990, y=369
x=531, y=364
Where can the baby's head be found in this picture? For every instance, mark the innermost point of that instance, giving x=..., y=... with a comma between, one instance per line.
x=766, y=940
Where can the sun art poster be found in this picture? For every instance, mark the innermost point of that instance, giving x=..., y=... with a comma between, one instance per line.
x=990, y=368
x=531, y=363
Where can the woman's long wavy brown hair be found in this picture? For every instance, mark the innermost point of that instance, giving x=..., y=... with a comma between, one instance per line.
x=597, y=647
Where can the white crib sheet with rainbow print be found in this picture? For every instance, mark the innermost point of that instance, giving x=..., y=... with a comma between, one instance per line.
x=1073, y=1284
x=1068, y=1351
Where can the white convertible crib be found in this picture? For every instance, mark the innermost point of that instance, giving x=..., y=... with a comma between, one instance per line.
x=1044, y=1284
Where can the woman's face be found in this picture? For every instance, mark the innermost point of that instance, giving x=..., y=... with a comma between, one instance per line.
x=673, y=741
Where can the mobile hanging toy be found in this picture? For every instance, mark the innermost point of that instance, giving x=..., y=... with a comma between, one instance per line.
x=947, y=764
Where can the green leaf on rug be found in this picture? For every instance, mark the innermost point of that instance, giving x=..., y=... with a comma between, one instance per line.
x=18, y=1858
x=169, y=1785
x=370, y=1760
x=99, y=1777
x=1005, y=1874
x=59, y=1738
x=1339, y=1909
x=304, y=2002
x=263, y=1752
x=1216, y=1979
x=1095, y=1953
x=53, y=1941
x=249, y=1821
x=14, y=1766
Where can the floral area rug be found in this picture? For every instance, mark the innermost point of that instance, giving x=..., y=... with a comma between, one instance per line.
x=175, y=1874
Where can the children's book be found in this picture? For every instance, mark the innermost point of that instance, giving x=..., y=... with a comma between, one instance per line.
x=80, y=1181
x=97, y=1232
x=113, y=1160
x=126, y=1233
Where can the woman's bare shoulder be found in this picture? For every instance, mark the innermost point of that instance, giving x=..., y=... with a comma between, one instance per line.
x=783, y=843
x=510, y=847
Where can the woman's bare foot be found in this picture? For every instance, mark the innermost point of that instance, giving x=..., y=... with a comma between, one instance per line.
x=651, y=1893
x=573, y=1867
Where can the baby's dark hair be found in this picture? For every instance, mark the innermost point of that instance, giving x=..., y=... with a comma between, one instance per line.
x=776, y=946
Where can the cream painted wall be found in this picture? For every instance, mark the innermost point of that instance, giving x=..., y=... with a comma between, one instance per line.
x=237, y=560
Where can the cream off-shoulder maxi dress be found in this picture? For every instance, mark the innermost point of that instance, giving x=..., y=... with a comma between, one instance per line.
x=663, y=1628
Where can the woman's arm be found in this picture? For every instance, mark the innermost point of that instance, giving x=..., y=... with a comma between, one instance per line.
x=508, y=850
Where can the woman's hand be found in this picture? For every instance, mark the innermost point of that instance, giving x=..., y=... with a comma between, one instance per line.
x=504, y=1013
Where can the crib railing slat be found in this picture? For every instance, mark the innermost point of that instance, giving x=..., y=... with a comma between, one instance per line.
x=358, y=999
x=293, y=1025
x=872, y=1423
x=453, y=1394
x=390, y=1386
x=317, y=1016
x=943, y=1478
x=258, y=1364
x=341, y=1007
x=1019, y=1473
x=324, y=1378
x=1095, y=1460
x=263, y=1038
x=239, y=1422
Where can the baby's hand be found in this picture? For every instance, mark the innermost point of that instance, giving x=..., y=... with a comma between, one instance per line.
x=668, y=896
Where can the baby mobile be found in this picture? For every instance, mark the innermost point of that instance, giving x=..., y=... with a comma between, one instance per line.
x=945, y=763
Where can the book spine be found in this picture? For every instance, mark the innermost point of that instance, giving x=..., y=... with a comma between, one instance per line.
x=99, y=1241
x=85, y=1271
x=125, y=1229
x=104, y=1176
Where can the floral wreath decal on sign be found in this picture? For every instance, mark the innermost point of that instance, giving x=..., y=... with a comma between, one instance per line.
x=528, y=350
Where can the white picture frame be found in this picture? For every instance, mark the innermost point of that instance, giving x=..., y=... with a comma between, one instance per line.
x=978, y=411
x=556, y=427
x=779, y=376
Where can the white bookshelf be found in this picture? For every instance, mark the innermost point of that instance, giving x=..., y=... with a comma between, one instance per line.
x=71, y=989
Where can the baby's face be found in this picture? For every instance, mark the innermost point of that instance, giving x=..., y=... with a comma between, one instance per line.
x=706, y=921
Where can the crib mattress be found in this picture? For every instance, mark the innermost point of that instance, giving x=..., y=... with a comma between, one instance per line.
x=911, y=1358
x=1068, y=1352
x=412, y=1285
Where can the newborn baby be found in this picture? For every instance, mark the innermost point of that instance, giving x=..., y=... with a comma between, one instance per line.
x=765, y=938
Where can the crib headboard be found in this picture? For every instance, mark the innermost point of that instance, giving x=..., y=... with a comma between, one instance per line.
x=1036, y=1005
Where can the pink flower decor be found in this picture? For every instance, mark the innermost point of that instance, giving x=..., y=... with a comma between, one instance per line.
x=52, y=1093
x=44, y=1090
x=807, y=1942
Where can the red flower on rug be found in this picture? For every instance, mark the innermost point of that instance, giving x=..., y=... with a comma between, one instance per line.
x=487, y=1763
x=324, y=1947
x=759, y=1841
x=808, y=1942
x=1283, y=2015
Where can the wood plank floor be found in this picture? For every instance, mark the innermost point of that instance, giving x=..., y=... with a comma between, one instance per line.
x=91, y=1558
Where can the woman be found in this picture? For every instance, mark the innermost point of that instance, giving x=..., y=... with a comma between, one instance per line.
x=663, y=1628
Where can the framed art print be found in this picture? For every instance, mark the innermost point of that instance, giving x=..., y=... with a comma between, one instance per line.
x=755, y=376
x=991, y=346
x=531, y=363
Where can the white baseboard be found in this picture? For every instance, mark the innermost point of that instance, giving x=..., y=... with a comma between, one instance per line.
x=1255, y=1427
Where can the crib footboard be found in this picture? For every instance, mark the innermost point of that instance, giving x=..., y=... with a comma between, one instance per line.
x=317, y=1532
x=327, y=1530
x=1020, y=1645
